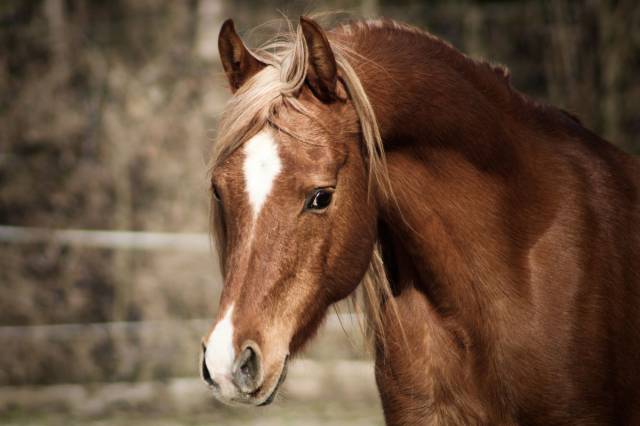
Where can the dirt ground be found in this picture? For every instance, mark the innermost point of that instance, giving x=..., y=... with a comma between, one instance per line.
x=309, y=414
x=323, y=393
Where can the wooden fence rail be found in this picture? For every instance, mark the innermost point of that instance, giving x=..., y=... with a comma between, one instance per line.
x=140, y=240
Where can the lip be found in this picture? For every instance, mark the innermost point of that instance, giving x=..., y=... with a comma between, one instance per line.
x=283, y=376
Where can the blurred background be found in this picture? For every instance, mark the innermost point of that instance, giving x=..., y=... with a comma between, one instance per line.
x=107, y=112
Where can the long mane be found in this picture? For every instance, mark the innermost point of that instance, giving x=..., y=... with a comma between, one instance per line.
x=255, y=106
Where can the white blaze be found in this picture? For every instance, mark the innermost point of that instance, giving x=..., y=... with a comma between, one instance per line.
x=261, y=166
x=220, y=354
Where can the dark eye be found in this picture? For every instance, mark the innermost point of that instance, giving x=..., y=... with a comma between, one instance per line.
x=214, y=192
x=319, y=199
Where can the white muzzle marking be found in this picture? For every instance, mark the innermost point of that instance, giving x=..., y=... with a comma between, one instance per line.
x=220, y=354
x=261, y=166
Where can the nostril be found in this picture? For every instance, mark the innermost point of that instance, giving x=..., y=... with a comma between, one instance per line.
x=205, y=373
x=206, y=376
x=247, y=372
x=249, y=363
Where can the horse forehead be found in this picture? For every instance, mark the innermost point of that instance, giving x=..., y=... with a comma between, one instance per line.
x=271, y=158
x=309, y=152
x=307, y=142
x=261, y=166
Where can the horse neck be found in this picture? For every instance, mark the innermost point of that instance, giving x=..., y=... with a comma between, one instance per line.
x=463, y=212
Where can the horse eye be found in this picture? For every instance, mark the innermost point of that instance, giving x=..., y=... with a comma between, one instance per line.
x=214, y=191
x=319, y=199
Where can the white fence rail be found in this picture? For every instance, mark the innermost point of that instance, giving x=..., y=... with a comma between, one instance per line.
x=197, y=242
x=334, y=322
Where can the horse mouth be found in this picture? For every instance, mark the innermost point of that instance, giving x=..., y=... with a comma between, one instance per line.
x=274, y=391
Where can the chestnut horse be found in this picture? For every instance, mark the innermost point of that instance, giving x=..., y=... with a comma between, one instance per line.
x=498, y=237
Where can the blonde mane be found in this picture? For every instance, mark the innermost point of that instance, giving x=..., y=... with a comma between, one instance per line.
x=254, y=106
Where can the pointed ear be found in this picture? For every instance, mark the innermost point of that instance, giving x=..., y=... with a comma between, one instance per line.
x=238, y=63
x=322, y=73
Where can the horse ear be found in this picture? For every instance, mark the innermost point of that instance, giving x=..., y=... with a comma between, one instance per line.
x=238, y=63
x=322, y=73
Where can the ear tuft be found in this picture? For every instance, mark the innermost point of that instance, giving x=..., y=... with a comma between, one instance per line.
x=238, y=62
x=322, y=74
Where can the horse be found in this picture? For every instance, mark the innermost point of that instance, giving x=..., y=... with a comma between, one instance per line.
x=496, y=237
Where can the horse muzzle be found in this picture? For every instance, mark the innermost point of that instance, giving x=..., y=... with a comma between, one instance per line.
x=245, y=384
